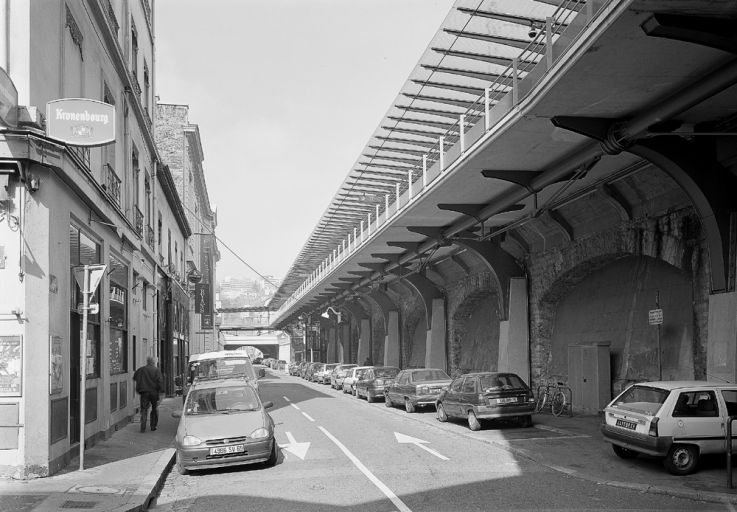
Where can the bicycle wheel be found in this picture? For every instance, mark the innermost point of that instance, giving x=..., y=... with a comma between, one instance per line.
x=540, y=403
x=558, y=404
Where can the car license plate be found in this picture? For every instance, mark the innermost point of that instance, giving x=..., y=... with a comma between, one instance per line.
x=224, y=450
x=507, y=400
x=630, y=425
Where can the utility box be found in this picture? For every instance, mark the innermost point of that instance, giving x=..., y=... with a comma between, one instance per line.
x=589, y=376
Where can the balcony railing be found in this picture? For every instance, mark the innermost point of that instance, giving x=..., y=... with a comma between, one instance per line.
x=138, y=220
x=150, y=236
x=83, y=153
x=111, y=183
x=111, y=16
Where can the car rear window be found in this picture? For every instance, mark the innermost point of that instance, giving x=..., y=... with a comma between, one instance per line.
x=642, y=399
x=425, y=375
x=501, y=381
x=386, y=372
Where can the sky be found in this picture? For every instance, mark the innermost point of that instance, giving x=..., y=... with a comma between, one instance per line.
x=286, y=94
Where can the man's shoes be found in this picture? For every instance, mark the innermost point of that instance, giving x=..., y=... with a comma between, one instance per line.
x=153, y=428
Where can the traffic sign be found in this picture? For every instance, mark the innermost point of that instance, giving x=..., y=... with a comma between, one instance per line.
x=655, y=316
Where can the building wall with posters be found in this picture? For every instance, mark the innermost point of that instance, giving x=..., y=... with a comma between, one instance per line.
x=65, y=206
x=180, y=147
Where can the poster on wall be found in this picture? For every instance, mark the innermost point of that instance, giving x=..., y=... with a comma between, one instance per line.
x=11, y=364
x=203, y=289
x=56, y=376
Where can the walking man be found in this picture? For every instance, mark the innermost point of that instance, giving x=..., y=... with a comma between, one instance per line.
x=149, y=383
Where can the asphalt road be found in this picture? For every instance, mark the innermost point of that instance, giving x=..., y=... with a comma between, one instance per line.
x=341, y=453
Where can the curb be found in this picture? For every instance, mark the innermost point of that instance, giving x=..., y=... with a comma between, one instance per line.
x=149, y=488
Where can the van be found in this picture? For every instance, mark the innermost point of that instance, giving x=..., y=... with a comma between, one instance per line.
x=223, y=364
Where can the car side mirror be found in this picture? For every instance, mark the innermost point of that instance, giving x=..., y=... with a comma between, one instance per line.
x=268, y=405
x=176, y=414
x=261, y=373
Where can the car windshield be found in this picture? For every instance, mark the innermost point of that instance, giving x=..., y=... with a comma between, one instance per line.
x=386, y=373
x=221, y=400
x=425, y=375
x=223, y=368
x=360, y=373
x=642, y=399
x=500, y=381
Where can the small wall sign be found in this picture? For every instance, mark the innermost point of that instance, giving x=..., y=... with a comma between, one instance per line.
x=80, y=121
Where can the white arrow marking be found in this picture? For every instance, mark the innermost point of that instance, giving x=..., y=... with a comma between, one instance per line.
x=298, y=449
x=403, y=438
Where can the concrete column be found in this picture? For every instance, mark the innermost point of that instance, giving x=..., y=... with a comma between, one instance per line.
x=330, y=356
x=722, y=338
x=364, y=341
x=391, y=341
x=435, y=356
x=514, y=336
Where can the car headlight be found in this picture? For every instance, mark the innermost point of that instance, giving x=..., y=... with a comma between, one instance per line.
x=424, y=390
x=259, y=433
x=191, y=441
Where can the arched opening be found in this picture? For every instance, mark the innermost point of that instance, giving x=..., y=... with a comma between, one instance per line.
x=417, y=342
x=475, y=334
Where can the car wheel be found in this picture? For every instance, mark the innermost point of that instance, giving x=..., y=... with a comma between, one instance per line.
x=442, y=416
x=682, y=459
x=369, y=397
x=624, y=453
x=408, y=406
x=271, y=461
x=525, y=421
x=180, y=467
x=388, y=401
x=473, y=421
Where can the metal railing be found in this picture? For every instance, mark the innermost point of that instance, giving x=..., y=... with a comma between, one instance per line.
x=111, y=183
x=150, y=240
x=138, y=220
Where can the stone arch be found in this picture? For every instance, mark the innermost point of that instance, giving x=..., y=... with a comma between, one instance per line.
x=672, y=241
x=415, y=336
x=474, y=333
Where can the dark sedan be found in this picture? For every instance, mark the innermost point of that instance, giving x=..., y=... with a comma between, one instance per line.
x=414, y=388
x=484, y=396
x=374, y=381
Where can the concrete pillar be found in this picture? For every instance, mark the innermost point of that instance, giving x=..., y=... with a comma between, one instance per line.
x=391, y=341
x=514, y=336
x=722, y=338
x=364, y=341
x=435, y=356
x=330, y=356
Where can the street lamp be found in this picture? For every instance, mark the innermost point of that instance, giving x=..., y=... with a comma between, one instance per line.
x=330, y=309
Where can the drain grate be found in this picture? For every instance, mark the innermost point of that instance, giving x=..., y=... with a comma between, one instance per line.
x=79, y=504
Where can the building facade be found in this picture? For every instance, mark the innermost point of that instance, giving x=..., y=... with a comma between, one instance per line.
x=65, y=206
x=180, y=147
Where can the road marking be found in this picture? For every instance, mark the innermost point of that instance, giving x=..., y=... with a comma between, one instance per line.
x=287, y=399
x=363, y=469
x=298, y=449
x=403, y=438
x=308, y=416
x=295, y=406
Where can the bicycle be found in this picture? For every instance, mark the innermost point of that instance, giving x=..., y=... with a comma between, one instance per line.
x=555, y=394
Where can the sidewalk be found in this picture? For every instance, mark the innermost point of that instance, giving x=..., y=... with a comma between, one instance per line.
x=580, y=451
x=122, y=473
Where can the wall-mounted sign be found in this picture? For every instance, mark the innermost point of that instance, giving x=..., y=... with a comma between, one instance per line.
x=11, y=365
x=80, y=122
x=655, y=316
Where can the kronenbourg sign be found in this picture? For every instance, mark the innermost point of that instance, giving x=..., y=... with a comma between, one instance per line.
x=80, y=121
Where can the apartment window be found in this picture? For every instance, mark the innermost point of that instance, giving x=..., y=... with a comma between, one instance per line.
x=146, y=85
x=168, y=250
x=108, y=149
x=134, y=51
x=84, y=251
x=144, y=295
x=118, y=275
x=159, y=230
x=136, y=176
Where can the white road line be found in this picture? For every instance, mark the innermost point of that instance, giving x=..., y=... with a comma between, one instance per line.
x=363, y=469
x=295, y=406
x=308, y=416
x=430, y=450
x=286, y=398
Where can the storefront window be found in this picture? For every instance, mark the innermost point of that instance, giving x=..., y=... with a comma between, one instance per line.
x=85, y=251
x=118, y=273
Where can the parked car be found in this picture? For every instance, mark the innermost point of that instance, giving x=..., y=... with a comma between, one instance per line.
x=312, y=369
x=485, y=396
x=293, y=368
x=373, y=382
x=677, y=420
x=339, y=373
x=223, y=364
x=418, y=387
x=323, y=375
x=353, y=375
x=224, y=423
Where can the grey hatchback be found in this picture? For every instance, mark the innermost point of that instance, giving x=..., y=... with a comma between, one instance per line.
x=479, y=396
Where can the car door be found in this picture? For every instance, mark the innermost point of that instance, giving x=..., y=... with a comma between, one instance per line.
x=699, y=418
x=394, y=389
x=469, y=394
x=362, y=383
x=452, y=397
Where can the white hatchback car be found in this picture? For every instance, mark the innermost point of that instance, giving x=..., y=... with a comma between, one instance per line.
x=677, y=420
x=353, y=375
